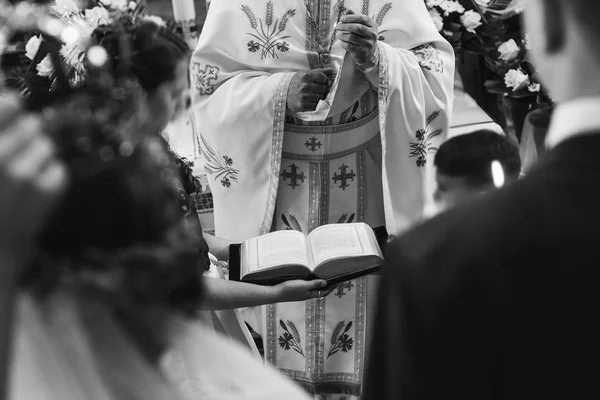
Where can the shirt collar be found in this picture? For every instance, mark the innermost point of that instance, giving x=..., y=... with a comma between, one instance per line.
x=573, y=118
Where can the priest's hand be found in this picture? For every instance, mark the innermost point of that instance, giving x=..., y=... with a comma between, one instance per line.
x=299, y=290
x=359, y=34
x=307, y=88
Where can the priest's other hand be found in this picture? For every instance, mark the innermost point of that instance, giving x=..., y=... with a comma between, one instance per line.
x=299, y=290
x=30, y=178
x=307, y=88
x=358, y=34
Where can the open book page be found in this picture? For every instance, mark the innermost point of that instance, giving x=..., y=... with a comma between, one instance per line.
x=274, y=250
x=334, y=241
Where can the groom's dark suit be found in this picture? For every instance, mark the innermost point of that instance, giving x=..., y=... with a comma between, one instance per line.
x=498, y=299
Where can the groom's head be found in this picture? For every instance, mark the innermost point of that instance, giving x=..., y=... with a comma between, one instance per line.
x=564, y=36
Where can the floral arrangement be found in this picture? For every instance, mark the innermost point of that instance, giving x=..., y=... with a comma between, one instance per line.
x=453, y=20
x=485, y=27
x=516, y=77
x=492, y=31
x=37, y=74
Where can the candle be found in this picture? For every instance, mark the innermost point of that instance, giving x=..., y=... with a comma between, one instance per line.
x=184, y=10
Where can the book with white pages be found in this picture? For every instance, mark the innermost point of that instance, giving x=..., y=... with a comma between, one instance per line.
x=335, y=253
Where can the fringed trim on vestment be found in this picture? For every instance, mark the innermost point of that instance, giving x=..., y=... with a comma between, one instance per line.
x=352, y=389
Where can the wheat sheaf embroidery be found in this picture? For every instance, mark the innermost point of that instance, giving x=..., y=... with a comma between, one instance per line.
x=290, y=337
x=423, y=147
x=268, y=37
x=219, y=166
x=379, y=17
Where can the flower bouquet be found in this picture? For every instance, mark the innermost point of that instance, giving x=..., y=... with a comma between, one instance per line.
x=47, y=64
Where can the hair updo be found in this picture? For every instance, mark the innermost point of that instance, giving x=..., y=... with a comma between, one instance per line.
x=142, y=48
x=119, y=220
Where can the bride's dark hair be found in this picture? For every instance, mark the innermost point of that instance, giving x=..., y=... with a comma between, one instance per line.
x=142, y=48
x=149, y=53
x=118, y=226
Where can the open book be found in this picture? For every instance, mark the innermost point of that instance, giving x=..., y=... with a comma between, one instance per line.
x=335, y=253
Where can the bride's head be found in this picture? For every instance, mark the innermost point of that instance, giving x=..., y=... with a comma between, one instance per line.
x=157, y=58
x=118, y=227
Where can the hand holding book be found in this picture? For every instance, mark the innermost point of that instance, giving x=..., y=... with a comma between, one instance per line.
x=300, y=290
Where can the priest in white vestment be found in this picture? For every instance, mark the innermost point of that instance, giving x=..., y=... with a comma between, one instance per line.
x=316, y=112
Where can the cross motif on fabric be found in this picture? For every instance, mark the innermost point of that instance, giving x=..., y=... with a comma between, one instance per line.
x=343, y=289
x=346, y=174
x=313, y=144
x=205, y=78
x=294, y=175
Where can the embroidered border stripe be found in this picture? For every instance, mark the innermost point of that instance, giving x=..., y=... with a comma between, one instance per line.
x=276, y=149
x=361, y=193
x=325, y=189
x=314, y=196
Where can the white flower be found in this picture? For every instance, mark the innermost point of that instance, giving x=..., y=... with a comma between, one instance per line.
x=516, y=79
x=132, y=5
x=434, y=3
x=73, y=54
x=32, y=46
x=153, y=18
x=66, y=6
x=509, y=50
x=437, y=19
x=45, y=67
x=118, y=4
x=534, y=87
x=451, y=6
x=471, y=20
x=97, y=16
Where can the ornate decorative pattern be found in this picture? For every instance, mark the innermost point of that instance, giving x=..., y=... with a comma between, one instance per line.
x=346, y=219
x=343, y=289
x=290, y=338
x=318, y=12
x=383, y=12
x=330, y=156
x=345, y=177
x=293, y=174
x=267, y=36
x=325, y=193
x=429, y=57
x=219, y=166
x=313, y=144
x=362, y=198
x=205, y=78
x=341, y=339
x=314, y=195
x=276, y=147
x=423, y=147
x=291, y=222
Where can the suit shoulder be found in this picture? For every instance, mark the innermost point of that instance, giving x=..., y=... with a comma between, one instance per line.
x=470, y=234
